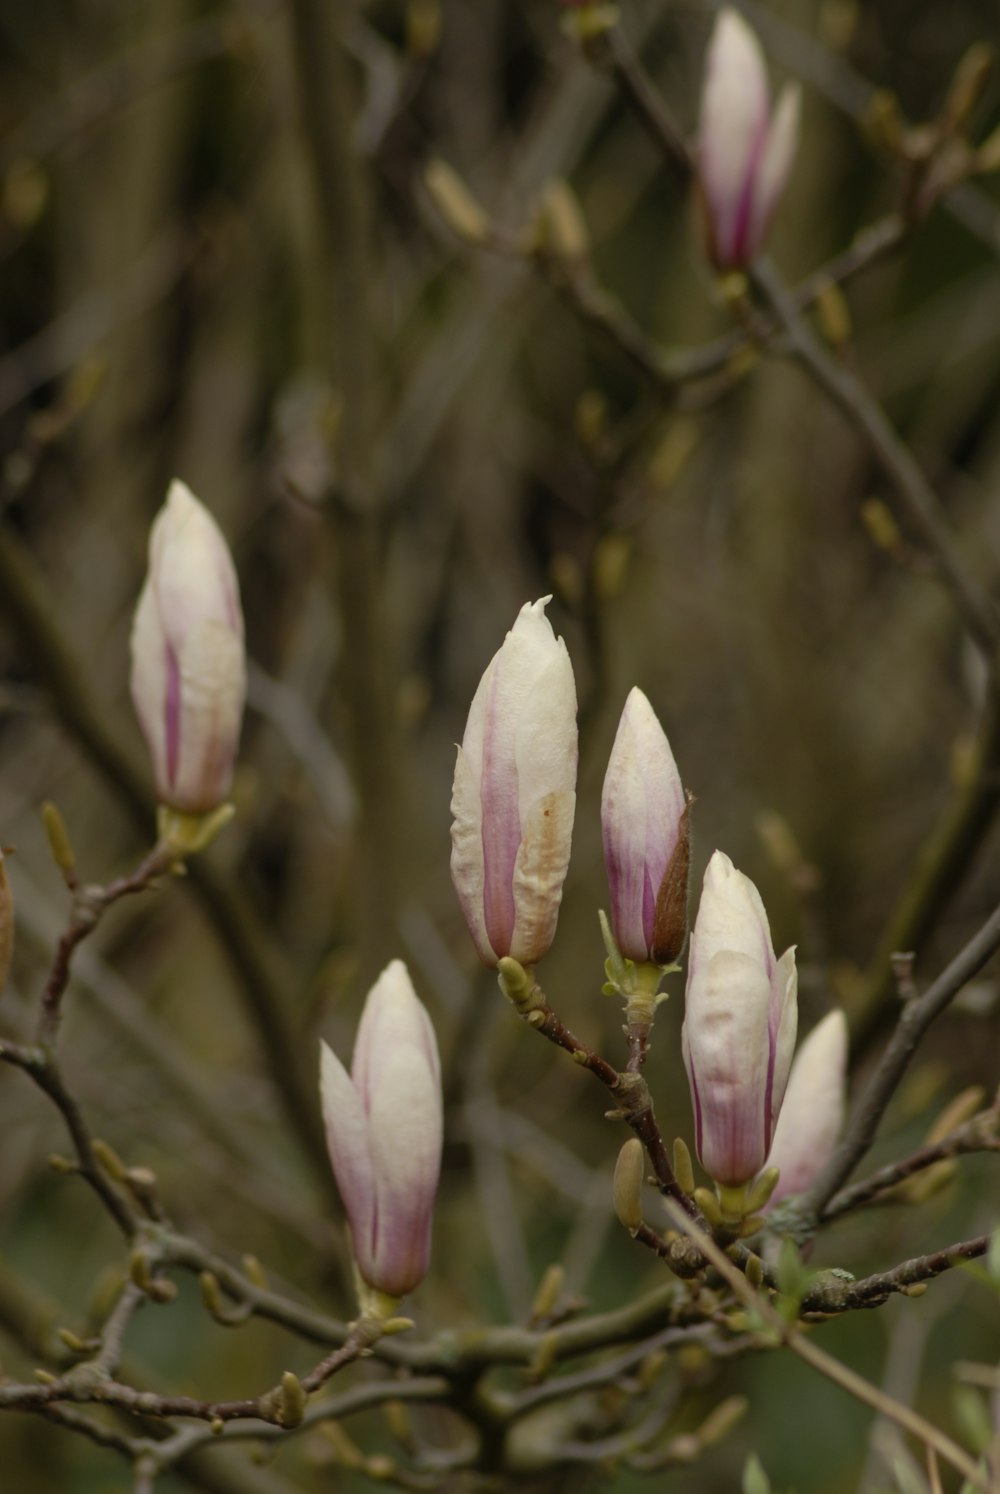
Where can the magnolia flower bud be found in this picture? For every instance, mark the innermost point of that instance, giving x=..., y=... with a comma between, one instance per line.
x=740, y=1018
x=646, y=842
x=745, y=152
x=383, y=1130
x=812, y=1112
x=515, y=793
x=188, y=666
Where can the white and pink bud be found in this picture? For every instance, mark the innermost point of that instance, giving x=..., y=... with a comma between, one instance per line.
x=745, y=150
x=812, y=1112
x=188, y=664
x=383, y=1131
x=644, y=821
x=741, y=1013
x=514, y=793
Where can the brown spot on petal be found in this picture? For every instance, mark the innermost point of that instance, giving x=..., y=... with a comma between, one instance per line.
x=539, y=873
x=670, y=920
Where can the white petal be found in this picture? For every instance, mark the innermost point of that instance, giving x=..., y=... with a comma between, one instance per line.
x=727, y=1050
x=784, y=997
x=777, y=159
x=393, y=1018
x=348, y=1144
x=519, y=748
x=212, y=693
x=812, y=1115
x=149, y=681
x=623, y=826
x=406, y=1133
x=734, y=113
x=641, y=808
x=192, y=568
x=467, y=869
x=731, y=915
x=545, y=738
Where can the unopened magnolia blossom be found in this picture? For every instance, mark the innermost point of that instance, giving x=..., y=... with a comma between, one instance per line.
x=740, y=1020
x=745, y=151
x=812, y=1112
x=188, y=665
x=644, y=826
x=383, y=1131
x=514, y=793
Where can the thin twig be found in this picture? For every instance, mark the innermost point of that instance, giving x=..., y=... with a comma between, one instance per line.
x=940, y=862
x=109, y=1356
x=978, y=1135
x=915, y=1018
x=920, y=501
x=611, y=51
x=634, y=1103
x=263, y=981
x=833, y=1295
x=40, y=1065
x=90, y=903
x=810, y=1352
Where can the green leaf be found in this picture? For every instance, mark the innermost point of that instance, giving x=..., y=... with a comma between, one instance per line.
x=973, y=1417
x=909, y=1480
x=993, y=1257
x=755, y=1480
x=793, y=1279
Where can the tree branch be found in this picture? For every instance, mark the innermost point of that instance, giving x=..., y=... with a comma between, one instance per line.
x=915, y=1018
x=894, y=457
x=262, y=983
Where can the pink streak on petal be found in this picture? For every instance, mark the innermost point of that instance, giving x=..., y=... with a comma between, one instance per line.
x=649, y=893
x=501, y=824
x=741, y=247
x=172, y=716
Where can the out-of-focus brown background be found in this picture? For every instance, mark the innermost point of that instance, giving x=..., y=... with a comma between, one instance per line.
x=166, y=305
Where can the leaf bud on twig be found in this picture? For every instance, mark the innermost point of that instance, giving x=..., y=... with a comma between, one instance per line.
x=967, y=87
x=721, y=1421
x=627, y=1185
x=60, y=845
x=292, y=1402
x=547, y=1295
x=559, y=226
x=683, y=1170
x=456, y=204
